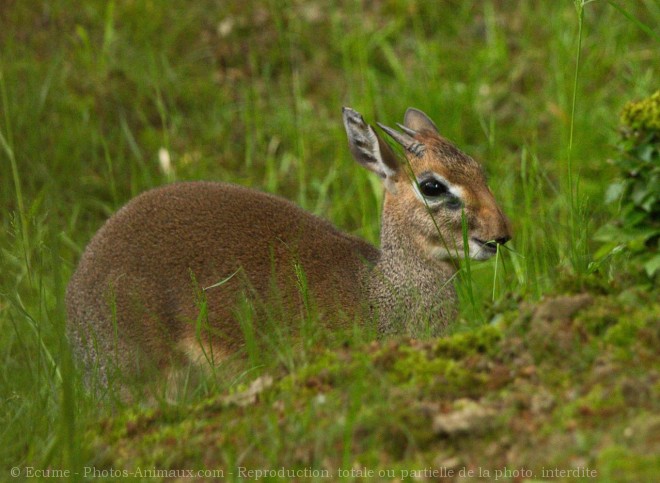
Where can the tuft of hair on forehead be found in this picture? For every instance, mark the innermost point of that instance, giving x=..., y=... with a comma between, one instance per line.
x=448, y=152
x=457, y=165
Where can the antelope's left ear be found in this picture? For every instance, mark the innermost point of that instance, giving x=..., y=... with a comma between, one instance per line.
x=369, y=149
x=418, y=121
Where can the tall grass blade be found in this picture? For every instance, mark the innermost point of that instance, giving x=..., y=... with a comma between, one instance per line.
x=648, y=30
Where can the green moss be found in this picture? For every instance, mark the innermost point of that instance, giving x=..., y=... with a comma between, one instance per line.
x=325, y=371
x=601, y=399
x=624, y=333
x=483, y=340
x=636, y=326
x=446, y=366
x=643, y=115
x=132, y=422
x=437, y=375
x=596, y=321
x=617, y=321
x=619, y=463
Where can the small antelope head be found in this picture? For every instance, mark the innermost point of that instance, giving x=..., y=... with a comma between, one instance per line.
x=434, y=194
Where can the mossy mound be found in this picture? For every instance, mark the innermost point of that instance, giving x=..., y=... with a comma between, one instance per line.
x=569, y=384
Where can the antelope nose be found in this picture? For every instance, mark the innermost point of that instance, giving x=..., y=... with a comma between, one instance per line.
x=502, y=240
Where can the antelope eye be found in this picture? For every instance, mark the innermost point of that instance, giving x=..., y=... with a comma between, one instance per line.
x=432, y=188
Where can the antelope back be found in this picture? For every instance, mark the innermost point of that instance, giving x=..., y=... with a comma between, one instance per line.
x=165, y=278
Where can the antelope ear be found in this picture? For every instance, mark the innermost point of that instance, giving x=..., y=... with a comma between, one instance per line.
x=368, y=148
x=406, y=139
x=418, y=121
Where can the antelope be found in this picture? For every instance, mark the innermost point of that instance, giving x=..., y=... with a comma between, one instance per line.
x=133, y=298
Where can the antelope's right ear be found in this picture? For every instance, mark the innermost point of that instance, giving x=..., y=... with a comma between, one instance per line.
x=369, y=149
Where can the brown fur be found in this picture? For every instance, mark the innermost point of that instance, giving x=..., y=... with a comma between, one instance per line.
x=146, y=260
x=135, y=299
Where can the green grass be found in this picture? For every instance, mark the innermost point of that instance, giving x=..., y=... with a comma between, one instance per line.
x=251, y=92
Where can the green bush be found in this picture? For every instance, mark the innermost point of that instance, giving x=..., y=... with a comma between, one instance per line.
x=637, y=226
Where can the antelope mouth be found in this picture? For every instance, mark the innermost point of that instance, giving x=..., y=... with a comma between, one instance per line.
x=488, y=246
x=484, y=249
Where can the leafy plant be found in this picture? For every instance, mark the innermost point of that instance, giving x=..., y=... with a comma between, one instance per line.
x=637, y=226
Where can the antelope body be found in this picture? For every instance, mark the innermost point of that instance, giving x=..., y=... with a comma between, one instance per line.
x=135, y=296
